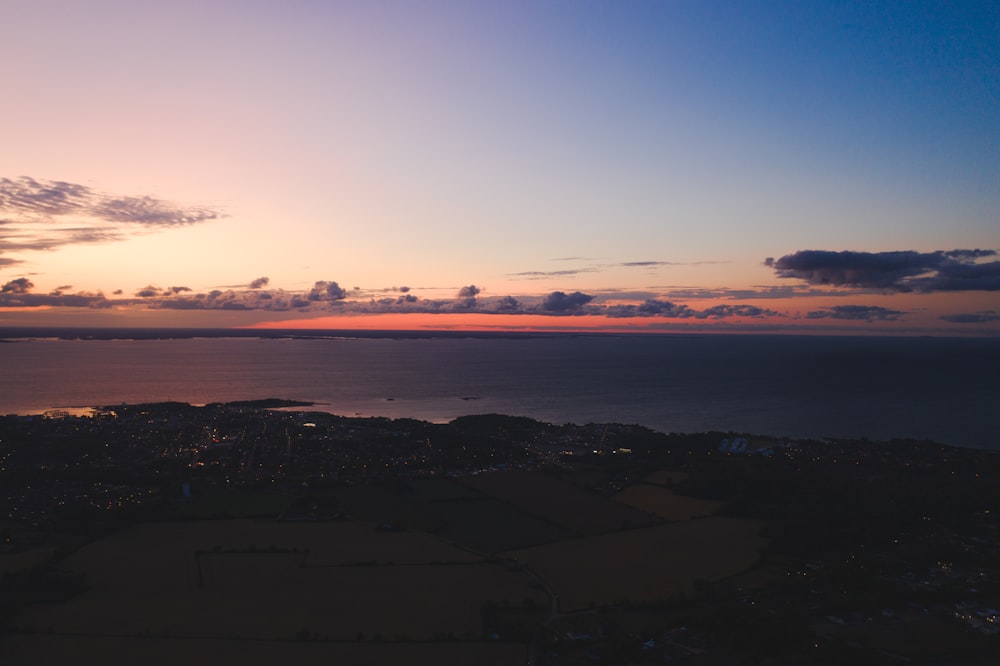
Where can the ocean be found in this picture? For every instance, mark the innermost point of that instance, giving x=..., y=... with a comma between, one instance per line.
x=946, y=390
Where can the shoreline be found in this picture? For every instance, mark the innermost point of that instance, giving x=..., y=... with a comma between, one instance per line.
x=298, y=407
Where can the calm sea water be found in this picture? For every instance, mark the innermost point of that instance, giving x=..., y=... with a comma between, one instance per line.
x=947, y=390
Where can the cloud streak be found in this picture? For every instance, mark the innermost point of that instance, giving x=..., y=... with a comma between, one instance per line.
x=645, y=264
x=38, y=215
x=600, y=268
x=541, y=275
x=981, y=317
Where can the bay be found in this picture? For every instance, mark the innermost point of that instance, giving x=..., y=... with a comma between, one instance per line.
x=944, y=390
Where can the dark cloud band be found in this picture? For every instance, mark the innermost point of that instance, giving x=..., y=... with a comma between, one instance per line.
x=329, y=296
x=867, y=313
x=901, y=271
x=982, y=317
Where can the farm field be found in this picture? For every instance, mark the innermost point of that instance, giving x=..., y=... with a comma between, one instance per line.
x=13, y=562
x=646, y=564
x=558, y=501
x=101, y=650
x=493, y=526
x=439, y=490
x=373, y=503
x=665, y=477
x=452, y=512
x=663, y=503
x=236, y=503
x=281, y=603
x=170, y=546
x=169, y=580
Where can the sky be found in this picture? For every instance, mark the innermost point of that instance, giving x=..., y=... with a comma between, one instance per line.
x=770, y=167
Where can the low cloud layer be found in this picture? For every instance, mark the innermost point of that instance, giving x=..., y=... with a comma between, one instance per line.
x=467, y=298
x=327, y=296
x=44, y=215
x=670, y=310
x=781, y=292
x=18, y=286
x=18, y=293
x=867, y=313
x=557, y=301
x=326, y=291
x=981, y=317
x=903, y=271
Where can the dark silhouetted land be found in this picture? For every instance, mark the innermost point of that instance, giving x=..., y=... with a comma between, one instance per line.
x=165, y=533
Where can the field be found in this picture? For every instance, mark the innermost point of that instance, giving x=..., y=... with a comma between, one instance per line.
x=170, y=546
x=13, y=562
x=452, y=512
x=149, y=651
x=492, y=526
x=280, y=581
x=235, y=503
x=439, y=490
x=406, y=580
x=665, y=477
x=647, y=564
x=664, y=503
x=559, y=502
x=593, y=560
